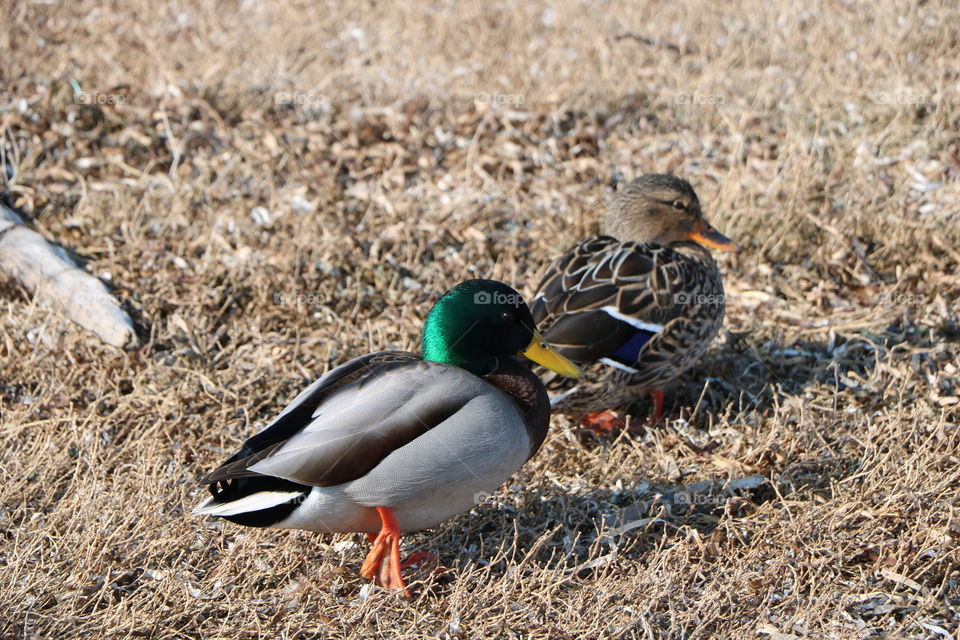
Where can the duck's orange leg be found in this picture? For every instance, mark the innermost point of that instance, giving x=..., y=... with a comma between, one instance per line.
x=603, y=423
x=607, y=423
x=657, y=398
x=424, y=561
x=383, y=561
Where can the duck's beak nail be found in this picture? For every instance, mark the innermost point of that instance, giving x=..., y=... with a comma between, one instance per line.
x=543, y=354
x=710, y=237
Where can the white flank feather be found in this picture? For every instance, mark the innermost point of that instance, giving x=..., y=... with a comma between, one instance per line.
x=557, y=398
x=613, y=312
x=253, y=502
x=618, y=365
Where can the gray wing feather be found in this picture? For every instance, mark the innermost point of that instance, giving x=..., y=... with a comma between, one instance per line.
x=359, y=425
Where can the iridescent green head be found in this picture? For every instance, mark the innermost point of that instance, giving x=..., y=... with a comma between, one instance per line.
x=480, y=321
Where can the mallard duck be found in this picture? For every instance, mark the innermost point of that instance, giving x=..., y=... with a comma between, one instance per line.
x=393, y=442
x=642, y=303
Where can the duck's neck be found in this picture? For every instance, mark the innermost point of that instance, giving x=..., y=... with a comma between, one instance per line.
x=694, y=251
x=516, y=379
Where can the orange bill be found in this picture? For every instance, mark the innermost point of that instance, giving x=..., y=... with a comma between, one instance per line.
x=710, y=237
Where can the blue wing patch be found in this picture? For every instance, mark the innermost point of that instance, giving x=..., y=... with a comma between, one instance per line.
x=629, y=352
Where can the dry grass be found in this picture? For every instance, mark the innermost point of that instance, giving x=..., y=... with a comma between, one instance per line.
x=427, y=143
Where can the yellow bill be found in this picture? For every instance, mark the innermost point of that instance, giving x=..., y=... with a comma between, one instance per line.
x=543, y=354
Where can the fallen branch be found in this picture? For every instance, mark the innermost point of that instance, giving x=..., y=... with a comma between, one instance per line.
x=46, y=270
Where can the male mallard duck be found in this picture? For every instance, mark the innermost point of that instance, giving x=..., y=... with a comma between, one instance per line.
x=395, y=442
x=645, y=300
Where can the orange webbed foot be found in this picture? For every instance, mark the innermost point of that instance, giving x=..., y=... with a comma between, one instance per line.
x=383, y=562
x=603, y=423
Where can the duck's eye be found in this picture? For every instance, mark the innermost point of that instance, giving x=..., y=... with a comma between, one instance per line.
x=508, y=316
x=679, y=205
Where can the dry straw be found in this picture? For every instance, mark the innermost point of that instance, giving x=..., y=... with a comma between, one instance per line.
x=273, y=189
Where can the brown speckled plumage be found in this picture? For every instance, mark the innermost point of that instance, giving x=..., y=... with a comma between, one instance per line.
x=597, y=296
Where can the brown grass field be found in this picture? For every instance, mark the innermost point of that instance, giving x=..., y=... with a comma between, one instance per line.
x=274, y=188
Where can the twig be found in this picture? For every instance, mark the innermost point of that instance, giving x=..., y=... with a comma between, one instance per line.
x=660, y=44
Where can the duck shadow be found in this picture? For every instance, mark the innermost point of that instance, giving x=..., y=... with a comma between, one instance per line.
x=565, y=536
x=558, y=536
x=744, y=378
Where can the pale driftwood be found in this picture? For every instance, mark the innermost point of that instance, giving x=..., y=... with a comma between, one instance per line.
x=47, y=271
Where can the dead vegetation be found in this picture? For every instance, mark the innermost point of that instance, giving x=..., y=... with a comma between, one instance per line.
x=273, y=189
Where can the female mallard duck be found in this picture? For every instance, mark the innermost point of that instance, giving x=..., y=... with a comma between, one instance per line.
x=395, y=442
x=645, y=300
